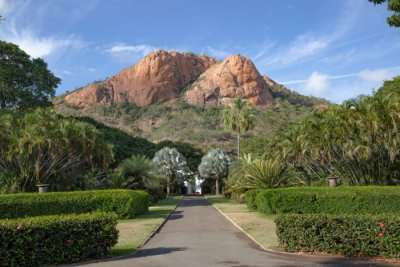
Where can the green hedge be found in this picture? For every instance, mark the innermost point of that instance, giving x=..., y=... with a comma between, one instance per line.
x=125, y=203
x=340, y=200
x=46, y=240
x=250, y=198
x=350, y=235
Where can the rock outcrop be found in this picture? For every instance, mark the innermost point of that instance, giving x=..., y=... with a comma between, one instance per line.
x=158, y=77
x=236, y=76
x=163, y=76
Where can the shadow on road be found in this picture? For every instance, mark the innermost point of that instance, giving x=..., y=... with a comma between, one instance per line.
x=352, y=262
x=148, y=252
x=194, y=201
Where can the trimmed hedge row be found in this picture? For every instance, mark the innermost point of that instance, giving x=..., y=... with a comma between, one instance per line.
x=46, y=240
x=350, y=235
x=340, y=200
x=250, y=198
x=125, y=203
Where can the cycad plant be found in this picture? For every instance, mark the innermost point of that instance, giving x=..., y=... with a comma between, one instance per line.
x=136, y=172
x=260, y=173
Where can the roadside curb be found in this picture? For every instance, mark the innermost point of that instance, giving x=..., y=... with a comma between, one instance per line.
x=284, y=253
x=157, y=229
x=259, y=244
x=130, y=255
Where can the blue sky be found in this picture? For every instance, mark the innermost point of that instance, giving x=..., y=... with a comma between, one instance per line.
x=335, y=49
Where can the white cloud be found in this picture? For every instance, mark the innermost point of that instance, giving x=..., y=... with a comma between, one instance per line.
x=67, y=72
x=377, y=75
x=340, y=87
x=27, y=36
x=303, y=47
x=40, y=46
x=122, y=50
x=317, y=84
x=5, y=7
x=218, y=53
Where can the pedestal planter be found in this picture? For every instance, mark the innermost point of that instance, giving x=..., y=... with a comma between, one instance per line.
x=332, y=181
x=43, y=188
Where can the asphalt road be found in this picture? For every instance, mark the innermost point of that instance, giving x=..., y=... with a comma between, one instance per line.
x=196, y=235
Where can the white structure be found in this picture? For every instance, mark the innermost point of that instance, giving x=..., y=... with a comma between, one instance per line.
x=198, y=182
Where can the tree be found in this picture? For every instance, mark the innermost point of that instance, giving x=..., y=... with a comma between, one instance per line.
x=24, y=82
x=215, y=165
x=393, y=6
x=40, y=147
x=239, y=118
x=172, y=165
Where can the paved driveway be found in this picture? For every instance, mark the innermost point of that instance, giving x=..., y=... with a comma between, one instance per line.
x=196, y=235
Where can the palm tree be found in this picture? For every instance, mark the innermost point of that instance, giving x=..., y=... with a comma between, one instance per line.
x=239, y=118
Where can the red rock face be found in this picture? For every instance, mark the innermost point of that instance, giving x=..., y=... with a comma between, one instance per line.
x=163, y=75
x=234, y=77
x=158, y=77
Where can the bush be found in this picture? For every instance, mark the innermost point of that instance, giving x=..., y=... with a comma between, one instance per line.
x=351, y=235
x=250, y=198
x=341, y=200
x=46, y=240
x=125, y=203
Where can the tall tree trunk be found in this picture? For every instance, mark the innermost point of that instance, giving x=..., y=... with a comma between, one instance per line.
x=168, y=186
x=238, y=145
x=217, y=186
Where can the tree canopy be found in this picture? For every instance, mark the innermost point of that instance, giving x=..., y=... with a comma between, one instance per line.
x=171, y=164
x=25, y=82
x=394, y=7
x=40, y=146
x=214, y=165
x=239, y=118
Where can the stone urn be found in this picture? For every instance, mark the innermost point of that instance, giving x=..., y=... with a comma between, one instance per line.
x=43, y=188
x=332, y=181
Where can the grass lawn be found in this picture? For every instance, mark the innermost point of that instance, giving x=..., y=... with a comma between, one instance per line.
x=259, y=226
x=133, y=232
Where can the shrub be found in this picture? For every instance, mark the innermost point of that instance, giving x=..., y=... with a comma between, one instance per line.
x=125, y=203
x=46, y=240
x=351, y=235
x=250, y=198
x=341, y=200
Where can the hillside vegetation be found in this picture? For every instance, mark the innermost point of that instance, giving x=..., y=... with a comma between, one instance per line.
x=180, y=122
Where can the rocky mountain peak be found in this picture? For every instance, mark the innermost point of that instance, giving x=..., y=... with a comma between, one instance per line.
x=236, y=76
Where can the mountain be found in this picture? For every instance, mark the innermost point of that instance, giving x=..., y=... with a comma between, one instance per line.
x=180, y=97
x=158, y=77
x=236, y=76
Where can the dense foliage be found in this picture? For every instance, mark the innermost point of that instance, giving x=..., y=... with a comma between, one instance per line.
x=258, y=173
x=125, y=203
x=351, y=235
x=123, y=145
x=171, y=165
x=57, y=239
x=357, y=141
x=215, y=165
x=24, y=82
x=341, y=200
x=40, y=146
x=192, y=154
x=138, y=172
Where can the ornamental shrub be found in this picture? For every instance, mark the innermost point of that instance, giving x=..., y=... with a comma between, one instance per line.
x=350, y=235
x=250, y=198
x=57, y=239
x=125, y=203
x=340, y=200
